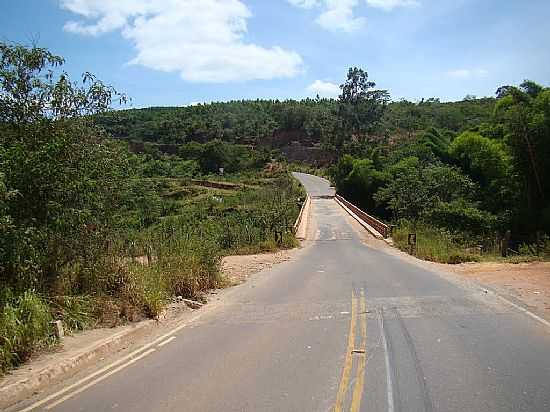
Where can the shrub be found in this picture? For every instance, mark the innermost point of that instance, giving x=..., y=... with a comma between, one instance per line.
x=24, y=327
x=432, y=244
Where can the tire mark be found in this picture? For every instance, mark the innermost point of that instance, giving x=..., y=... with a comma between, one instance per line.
x=394, y=399
x=420, y=377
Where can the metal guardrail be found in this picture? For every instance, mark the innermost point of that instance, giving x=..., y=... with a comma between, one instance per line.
x=380, y=227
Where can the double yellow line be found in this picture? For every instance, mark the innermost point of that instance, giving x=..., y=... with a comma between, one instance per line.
x=360, y=352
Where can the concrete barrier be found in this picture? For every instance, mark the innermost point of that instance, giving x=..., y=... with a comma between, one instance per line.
x=300, y=226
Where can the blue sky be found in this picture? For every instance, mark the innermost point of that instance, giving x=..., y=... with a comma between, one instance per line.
x=177, y=52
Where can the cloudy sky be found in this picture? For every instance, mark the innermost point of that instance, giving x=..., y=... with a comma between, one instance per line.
x=178, y=52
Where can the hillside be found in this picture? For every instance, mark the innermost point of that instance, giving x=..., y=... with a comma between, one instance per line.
x=276, y=124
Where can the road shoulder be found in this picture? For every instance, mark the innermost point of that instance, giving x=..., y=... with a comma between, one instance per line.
x=86, y=349
x=525, y=284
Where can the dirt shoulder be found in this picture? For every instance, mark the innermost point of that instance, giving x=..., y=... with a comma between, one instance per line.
x=527, y=282
x=239, y=268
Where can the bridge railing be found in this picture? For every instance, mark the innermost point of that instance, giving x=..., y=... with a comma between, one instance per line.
x=380, y=227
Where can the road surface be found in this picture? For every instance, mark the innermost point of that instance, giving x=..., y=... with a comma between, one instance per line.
x=340, y=327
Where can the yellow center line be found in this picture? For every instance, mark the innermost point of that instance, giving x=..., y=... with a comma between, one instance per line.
x=360, y=372
x=348, y=362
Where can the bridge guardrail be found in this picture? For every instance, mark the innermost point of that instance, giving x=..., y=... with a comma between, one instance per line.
x=300, y=215
x=380, y=227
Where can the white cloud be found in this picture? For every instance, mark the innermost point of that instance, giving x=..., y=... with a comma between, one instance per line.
x=323, y=89
x=389, y=5
x=467, y=73
x=305, y=4
x=338, y=16
x=203, y=40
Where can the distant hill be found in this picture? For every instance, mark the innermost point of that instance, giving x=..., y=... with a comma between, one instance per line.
x=278, y=124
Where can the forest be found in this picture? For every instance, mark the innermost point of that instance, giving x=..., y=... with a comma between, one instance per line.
x=464, y=172
x=106, y=215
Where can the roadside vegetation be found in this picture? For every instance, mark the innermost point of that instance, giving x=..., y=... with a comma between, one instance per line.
x=107, y=215
x=94, y=234
x=470, y=193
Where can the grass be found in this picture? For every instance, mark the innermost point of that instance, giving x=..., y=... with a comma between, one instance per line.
x=178, y=255
x=433, y=244
x=24, y=327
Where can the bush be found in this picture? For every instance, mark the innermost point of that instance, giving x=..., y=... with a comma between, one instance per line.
x=24, y=327
x=432, y=244
x=462, y=216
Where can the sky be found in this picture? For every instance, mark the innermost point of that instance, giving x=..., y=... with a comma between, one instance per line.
x=182, y=52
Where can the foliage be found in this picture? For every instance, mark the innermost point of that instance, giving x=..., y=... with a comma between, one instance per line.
x=524, y=113
x=360, y=106
x=24, y=327
x=433, y=244
x=60, y=177
x=217, y=154
x=358, y=180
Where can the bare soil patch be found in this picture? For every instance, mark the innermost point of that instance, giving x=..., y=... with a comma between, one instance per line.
x=238, y=268
x=529, y=282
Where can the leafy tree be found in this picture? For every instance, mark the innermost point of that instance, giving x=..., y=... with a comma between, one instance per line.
x=358, y=180
x=487, y=162
x=60, y=175
x=524, y=112
x=437, y=142
x=361, y=106
x=415, y=190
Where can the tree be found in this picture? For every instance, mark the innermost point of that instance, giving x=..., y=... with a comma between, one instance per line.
x=414, y=190
x=358, y=180
x=524, y=112
x=360, y=106
x=63, y=175
x=482, y=158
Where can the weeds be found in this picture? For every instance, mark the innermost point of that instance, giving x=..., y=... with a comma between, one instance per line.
x=25, y=326
x=433, y=244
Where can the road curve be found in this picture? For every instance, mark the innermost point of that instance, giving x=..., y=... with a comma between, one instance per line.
x=340, y=327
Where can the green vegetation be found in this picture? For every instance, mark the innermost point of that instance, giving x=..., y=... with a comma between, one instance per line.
x=94, y=234
x=461, y=190
x=433, y=244
x=105, y=215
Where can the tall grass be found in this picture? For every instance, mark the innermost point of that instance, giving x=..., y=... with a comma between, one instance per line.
x=432, y=244
x=24, y=327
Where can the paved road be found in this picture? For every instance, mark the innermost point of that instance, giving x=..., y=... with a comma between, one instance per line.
x=341, y=327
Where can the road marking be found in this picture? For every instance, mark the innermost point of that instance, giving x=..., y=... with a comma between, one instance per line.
x=348, y=362
x=83, y=388
x=167, y=341
x=360, y=372
x=522, y=309
x=389, y=383
x=106, y=368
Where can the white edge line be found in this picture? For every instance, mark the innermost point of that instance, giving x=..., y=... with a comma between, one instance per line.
x=167, y=341
x=95, y=381
x=389, y=383
x=525, y=311
x=118, y=362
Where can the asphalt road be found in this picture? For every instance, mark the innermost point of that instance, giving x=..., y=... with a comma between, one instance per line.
x=340, y=327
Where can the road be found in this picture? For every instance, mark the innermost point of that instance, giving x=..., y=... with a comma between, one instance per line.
x=343, y=326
